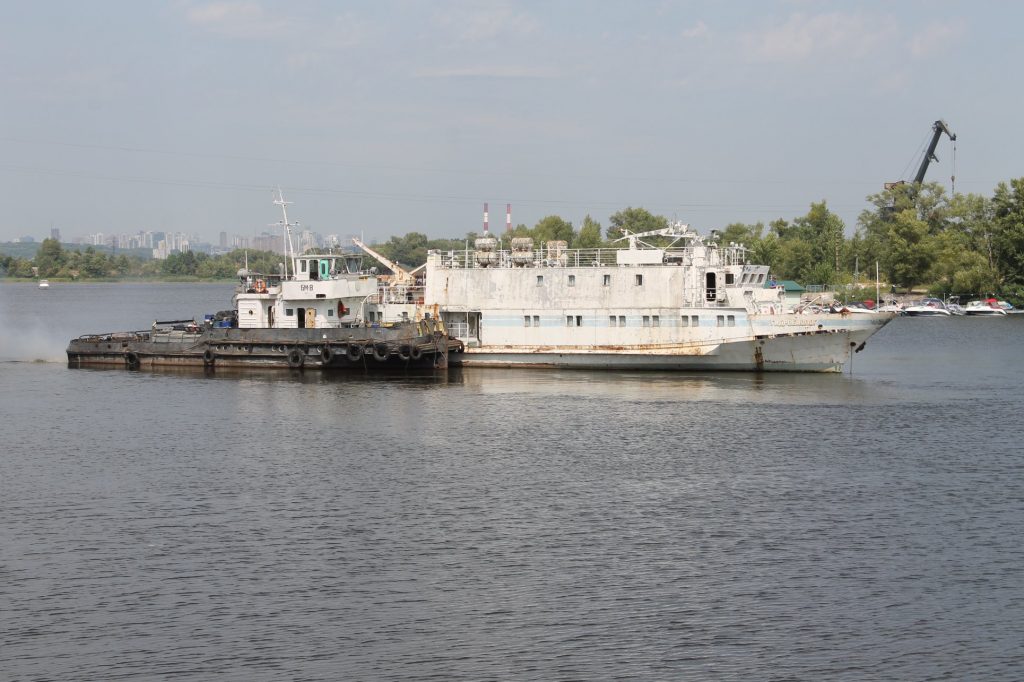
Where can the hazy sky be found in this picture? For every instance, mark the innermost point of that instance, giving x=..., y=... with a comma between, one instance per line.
x=387, y=116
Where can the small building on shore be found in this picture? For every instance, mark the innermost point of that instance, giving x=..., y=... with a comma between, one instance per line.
x=794, y=291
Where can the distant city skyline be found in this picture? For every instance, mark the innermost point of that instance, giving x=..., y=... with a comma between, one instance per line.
x=378, y=119
x=162, y=243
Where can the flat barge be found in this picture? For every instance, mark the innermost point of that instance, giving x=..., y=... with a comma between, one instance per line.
x=419, y=345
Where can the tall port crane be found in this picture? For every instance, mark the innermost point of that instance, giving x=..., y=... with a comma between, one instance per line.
x=938, y=128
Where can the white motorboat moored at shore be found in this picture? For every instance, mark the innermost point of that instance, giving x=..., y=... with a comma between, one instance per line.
x=928, y=307
x=988, y=308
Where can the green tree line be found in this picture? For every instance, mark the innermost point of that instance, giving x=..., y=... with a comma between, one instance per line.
x=54, y=261
x=919, y=236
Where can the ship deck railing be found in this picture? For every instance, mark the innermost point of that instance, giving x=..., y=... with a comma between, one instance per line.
x=576, y=258
x=395, y=294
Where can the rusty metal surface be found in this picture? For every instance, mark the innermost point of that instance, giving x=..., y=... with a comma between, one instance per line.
x=285, y=348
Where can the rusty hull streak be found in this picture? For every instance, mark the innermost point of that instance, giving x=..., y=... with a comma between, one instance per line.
x=690, y=349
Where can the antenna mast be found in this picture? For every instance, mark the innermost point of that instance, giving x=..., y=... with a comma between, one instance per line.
x=289, y=253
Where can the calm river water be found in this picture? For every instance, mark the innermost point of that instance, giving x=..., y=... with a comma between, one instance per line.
x=505, y=524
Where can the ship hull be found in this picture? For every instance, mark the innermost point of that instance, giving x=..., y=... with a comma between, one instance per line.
x=790, y=349
x=316, y=349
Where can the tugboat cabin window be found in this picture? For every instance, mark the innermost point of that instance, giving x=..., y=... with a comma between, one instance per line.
x=612, y=321
x=572, y=280
x=647, y=320
x=302, y=265
x=526, y=320
x=655, y=320
x=607, y=280
x=731, y=320
x=540, y=280
x=622, y=320
x=330, y=312
x=536, y=320
x=290, y=312
x=579, y=320
x=639, y=280
x=685, y=321
x=721, y=320
x=729, y=278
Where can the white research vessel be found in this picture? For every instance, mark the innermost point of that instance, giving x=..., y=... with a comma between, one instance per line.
x=693, y=306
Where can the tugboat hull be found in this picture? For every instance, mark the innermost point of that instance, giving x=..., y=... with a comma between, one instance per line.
x=318, y=349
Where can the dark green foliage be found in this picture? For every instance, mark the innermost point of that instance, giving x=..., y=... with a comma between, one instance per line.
x=634, y=220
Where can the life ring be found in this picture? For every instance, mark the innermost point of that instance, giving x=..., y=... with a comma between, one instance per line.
x=380, y=351
x=404, y=352
x=354, y=353
x=342, y=310
x=261, y=286
x=295, y=358
x=415, y=352
x=209, y=357
x=326, y=355
x=131, y=359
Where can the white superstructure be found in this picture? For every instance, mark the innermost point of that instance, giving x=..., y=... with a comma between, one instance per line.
x=325, y=290
x=692, y=305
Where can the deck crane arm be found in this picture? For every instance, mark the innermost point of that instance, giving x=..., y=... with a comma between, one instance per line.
x=938, y=127
x=401, y=275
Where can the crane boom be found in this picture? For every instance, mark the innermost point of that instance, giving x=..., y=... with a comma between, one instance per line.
x=939, y=127
x=401, y=275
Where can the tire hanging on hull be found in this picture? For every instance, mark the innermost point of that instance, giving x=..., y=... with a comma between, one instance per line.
x=354, y=353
